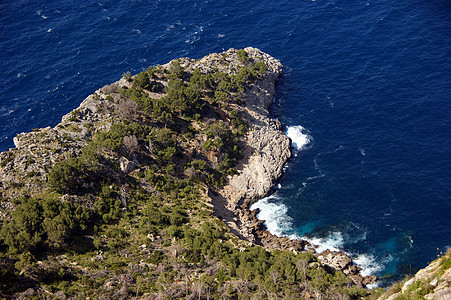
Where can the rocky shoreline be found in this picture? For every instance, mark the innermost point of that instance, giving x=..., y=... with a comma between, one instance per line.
x=267, y=149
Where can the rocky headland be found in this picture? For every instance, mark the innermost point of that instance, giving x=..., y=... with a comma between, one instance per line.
x=24, y=170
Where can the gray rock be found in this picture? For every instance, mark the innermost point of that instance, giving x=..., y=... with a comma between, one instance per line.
x=434, y=276
x=444, y=294
x=60, y=295
x=17, y=142
x=336, y=260
x=126, y=165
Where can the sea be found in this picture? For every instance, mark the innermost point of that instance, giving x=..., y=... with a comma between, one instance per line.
x=365, y=97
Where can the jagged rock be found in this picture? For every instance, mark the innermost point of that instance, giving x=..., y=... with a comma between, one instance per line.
x=267, y=150
x=126, y=165
x=17, y=142
x=341, y=262
x=336, y=260
x=369, y=280
x=444, y=294
x=108, y=285
x=267, y=147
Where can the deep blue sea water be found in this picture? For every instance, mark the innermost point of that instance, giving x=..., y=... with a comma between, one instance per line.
x=366, y=93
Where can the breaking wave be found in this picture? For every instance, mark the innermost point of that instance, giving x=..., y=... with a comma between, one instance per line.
x=370, y=264
x=274, y=213
x=300, y=138
x=333, y=242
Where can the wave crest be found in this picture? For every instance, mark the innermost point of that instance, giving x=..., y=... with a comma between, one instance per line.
x=275, y=216
x=299, y=136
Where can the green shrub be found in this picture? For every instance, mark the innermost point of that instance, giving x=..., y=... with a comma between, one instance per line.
x=176, y=69
x=38, y=222
x=155, y=216
x=201, y=81
x=446, y=260
x=260, y=67
x=243, y=78
x=107, y=206
x=140, y=97
x=156, y=257
x=141, y=81
x=24, y=232
x=224, y=83
x=182, y=99
x=221, y=96
x=178, y=218
x=64, y=176
x=207, y=145
x=127, y=76
x=243, y=57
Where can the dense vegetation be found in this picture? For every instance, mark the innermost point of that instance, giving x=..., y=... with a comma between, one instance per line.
x=101, y=232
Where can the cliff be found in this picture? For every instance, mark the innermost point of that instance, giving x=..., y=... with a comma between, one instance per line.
x=120, y=197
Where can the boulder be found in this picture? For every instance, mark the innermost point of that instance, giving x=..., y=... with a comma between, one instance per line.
x=336, y=260
x=126, y=165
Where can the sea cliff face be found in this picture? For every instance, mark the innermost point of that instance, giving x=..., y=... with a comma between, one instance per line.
x=173, y=142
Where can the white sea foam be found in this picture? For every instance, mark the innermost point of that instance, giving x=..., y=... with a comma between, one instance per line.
x=312, y=178
x=275, y=215
x=39, y=13
x=370, y=265
x=362, y=151
x=386, y=214
x=279, y=223
x=333, y=242
x=300, y=138
x=372, y=285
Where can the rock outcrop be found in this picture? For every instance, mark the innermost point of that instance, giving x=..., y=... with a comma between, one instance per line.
x=37, y=151
x=267, y=150
x=341, y=262
x=432, y=282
